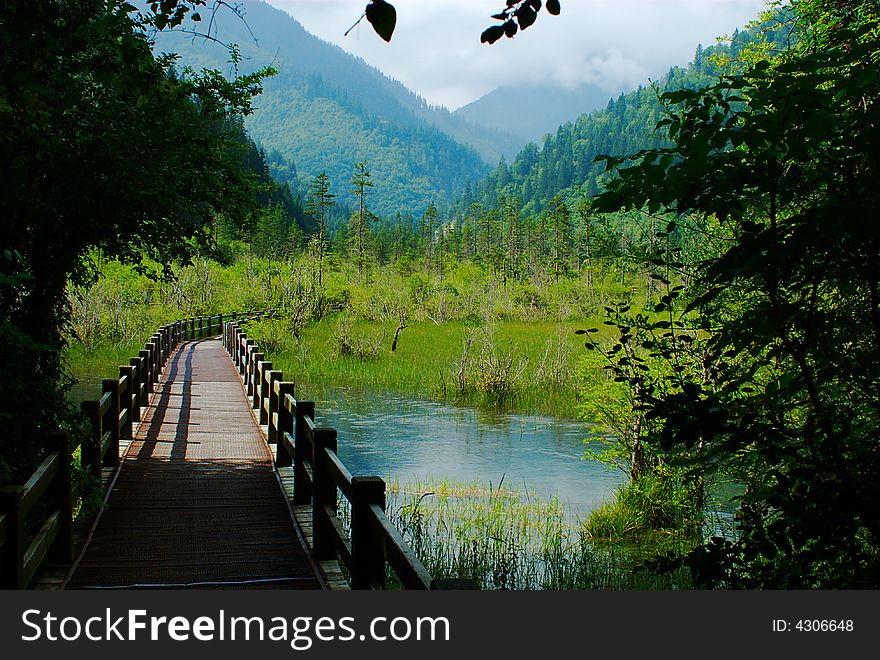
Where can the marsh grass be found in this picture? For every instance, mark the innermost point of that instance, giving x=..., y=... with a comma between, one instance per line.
x=501, y=537
x=512, y=366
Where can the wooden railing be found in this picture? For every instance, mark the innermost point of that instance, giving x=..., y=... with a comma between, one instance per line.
x=52, y=485
x=319, y=474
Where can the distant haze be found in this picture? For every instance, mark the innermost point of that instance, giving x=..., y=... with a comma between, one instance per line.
x=613, y=45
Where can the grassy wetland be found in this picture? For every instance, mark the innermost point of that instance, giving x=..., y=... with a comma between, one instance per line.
x=465, y=338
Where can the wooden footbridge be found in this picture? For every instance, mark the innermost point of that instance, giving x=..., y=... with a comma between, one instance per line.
x=213, y=475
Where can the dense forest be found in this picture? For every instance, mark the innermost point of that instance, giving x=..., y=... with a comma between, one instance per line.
x=708, y=242
x=326, y=110
x=566, y=163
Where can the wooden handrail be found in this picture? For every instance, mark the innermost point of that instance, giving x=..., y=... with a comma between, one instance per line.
x=111, y=416
x=319, y=475
x=21, y=558
x=39, y=482
x=318, y=472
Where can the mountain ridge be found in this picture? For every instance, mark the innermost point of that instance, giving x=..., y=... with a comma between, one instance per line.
x=327, y=109
x=531, y=111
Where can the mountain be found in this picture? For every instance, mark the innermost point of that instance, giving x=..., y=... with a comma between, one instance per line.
x=327, y=110
x=532, y=111
x=565, y=162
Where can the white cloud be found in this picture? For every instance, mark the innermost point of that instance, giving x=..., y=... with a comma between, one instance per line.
x=436, y=49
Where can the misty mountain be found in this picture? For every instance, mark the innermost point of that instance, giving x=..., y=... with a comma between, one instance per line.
x=531, y=111
x=564, y=162
x=327, y=110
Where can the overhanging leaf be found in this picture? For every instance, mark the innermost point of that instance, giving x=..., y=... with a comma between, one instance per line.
x=383, y=17
x=492, y=34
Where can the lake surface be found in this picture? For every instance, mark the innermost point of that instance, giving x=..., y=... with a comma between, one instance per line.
x=406, y=438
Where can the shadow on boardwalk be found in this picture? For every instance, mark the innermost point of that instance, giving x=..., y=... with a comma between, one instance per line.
x=196, y=503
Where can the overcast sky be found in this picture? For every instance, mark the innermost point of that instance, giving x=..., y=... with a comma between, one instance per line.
x=615, y=44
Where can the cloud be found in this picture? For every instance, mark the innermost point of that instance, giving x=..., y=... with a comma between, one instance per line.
x=436, y=49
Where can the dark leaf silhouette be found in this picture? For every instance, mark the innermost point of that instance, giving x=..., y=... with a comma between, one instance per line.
x=492, y=34
x=383, y=17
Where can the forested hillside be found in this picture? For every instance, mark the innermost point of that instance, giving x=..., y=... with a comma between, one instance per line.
x=565, y=163
x=327, y=110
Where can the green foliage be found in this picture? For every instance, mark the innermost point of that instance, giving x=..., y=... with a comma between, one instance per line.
x=775, y=161
x=103, y=144
x=653, y=515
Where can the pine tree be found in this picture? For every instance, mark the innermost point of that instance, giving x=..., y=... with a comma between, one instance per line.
x=559, y=227
x=361, y=215
x=319, y=202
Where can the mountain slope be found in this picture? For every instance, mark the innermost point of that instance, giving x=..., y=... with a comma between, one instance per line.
x=327, y=110
x=532, y=111
x=565, y=163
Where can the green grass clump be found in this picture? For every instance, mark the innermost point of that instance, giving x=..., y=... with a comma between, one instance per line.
x=527, y=367
x=651, y=515
x=507, y=538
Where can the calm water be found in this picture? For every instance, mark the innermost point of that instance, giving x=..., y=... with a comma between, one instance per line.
x=405, y=438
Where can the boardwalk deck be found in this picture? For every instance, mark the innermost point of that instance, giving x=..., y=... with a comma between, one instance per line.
x=196, y=503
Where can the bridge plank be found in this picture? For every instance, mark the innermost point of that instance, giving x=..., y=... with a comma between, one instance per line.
x=196, y=503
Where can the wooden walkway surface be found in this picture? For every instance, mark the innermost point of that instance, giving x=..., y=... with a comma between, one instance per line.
x=196, y=503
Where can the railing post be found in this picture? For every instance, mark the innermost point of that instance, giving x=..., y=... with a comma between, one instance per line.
x=247, y=357
x=111, y=458
x=256, y=358
x=166, y=339
x=160, y=345
x=283, y=457
x=271, y=416
x=156, y=344
x=242, y=351
x=301, y=494
x=62, y=550
x=220, y=323
x=139, y=392
x=247, y=363
x=12, y=551
x=90, y=452
x=239, y=350
x=324, y=497
x=147, y=375
x=125, y=401
x=367, y=552
x=260, y=369
x=192, y=328
x=265, y=369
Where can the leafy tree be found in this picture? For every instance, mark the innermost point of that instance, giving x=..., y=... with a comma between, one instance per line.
x=103, y=145
x=777, y=162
